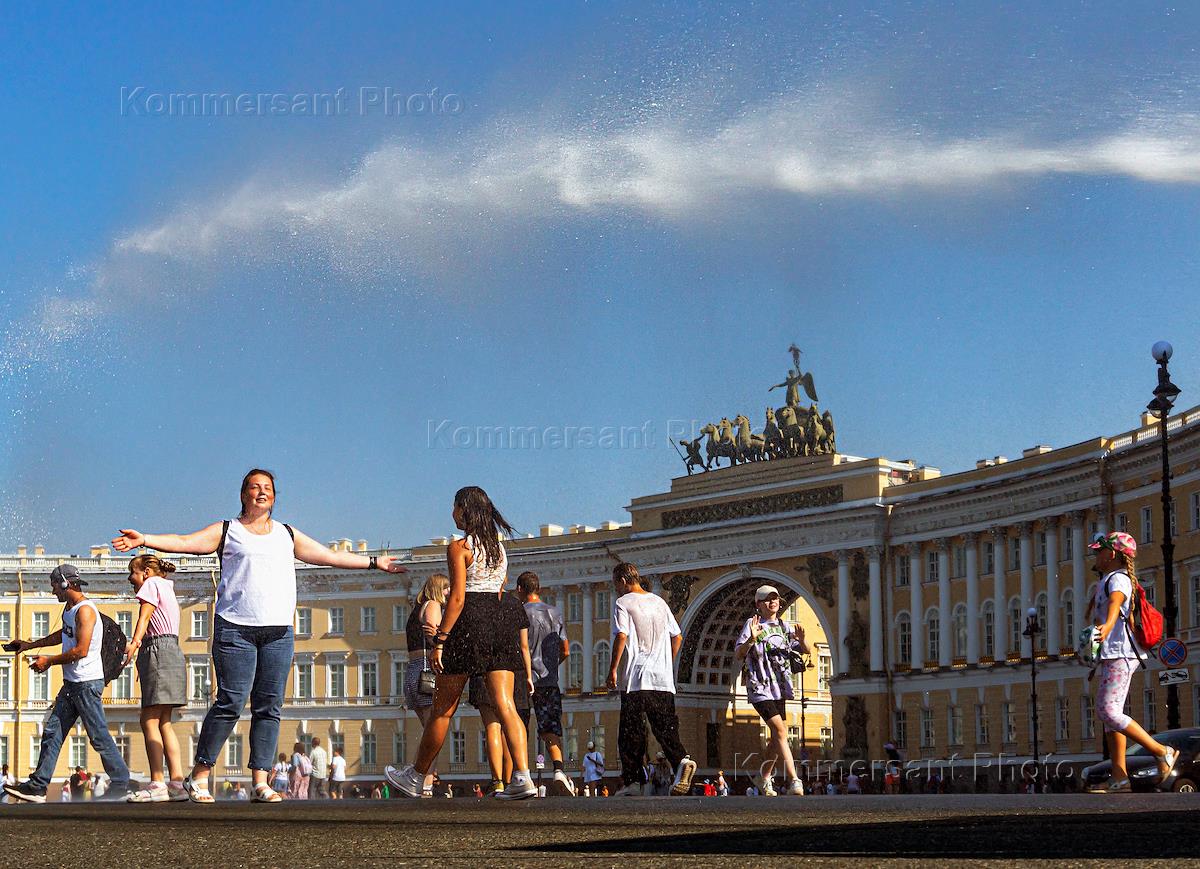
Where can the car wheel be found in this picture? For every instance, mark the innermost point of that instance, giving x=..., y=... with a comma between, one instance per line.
x=1184, y=786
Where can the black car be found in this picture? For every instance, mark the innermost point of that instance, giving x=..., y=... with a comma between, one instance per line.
x=1143, y=766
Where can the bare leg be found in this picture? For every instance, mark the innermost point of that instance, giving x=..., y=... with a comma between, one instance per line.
x=170, y=745
x=445, y=701
x=493, y=742
x=1116, y=753
x=424, y=713
x=500, y=683
x=1134, y=731
x=554, y=742
x=154, y=741
x=780, y=748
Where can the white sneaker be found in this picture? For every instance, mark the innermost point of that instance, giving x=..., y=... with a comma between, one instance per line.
x=561, y=779
x=766, y=786
x=796, y=788
x=683, y=777
x=633, y=789
x=520, y=788
x=157, y=792
x=408, y=781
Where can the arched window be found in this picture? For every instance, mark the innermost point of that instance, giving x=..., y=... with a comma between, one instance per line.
x=933, y=628
x=988, y=616
x=1016, y=624
x=1067, y=609
x=960, y=631
x=1042, y=610
x=904, y=639
x=603, y=661
x=575, y=667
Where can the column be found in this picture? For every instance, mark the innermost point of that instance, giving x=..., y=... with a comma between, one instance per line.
x=972, y=544
x=843, y=599
x=945, y=616
x=875, y=584
x=1078, y=572
x=916, y=605
x=1026, y=550
x=588, y=624
x=1053, y=626
x=1000, y=627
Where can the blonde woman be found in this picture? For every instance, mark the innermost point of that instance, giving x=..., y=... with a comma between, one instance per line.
x=422, y=624
x=1119, y=656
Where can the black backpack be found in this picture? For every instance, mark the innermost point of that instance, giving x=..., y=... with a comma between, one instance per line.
x=112, y=648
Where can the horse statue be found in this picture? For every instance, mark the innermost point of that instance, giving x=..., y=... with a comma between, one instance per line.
x=773, y=443
x=795, y=442
x=750, y=447
x=830, y=434
x=719, y=444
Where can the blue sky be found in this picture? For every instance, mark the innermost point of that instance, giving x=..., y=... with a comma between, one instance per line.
x=974, y=221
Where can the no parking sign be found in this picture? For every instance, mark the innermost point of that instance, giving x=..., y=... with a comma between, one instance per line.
x=1172, y=652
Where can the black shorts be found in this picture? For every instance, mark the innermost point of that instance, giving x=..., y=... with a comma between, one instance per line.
x=477, y=644
x=480, y=697
x=768, y=709
x=547, y=707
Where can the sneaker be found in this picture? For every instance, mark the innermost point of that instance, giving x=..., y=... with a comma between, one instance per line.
x=158, y=792
x=766, y=786
x=796, y=787
x=520, y=788
x=633, y=789
x=497, y=788
x=407, y=781
x=563, y=783
x=25, y=792
x=683, y=777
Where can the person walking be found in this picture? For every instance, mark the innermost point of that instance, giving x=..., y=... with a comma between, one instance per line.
x=467, y=643
x=1119, y=657
x=300, y=773
x=6, y=779
x=337, y=775
x=279, y=774
x=548, y=648
x=766, y=646
x=422, y=625
x=514, y=623
x=255, y=608
x=162, y=675
x=318, y=781
x=80, y=698
x=647, y=637
x=593, y=771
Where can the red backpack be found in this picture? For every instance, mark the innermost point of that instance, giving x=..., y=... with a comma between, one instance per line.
x=1145, y=622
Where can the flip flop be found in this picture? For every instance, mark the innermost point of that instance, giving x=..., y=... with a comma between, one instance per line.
x=264, y=794
x=197, y=792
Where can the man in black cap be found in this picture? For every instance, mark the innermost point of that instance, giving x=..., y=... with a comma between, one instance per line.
x=83, y=687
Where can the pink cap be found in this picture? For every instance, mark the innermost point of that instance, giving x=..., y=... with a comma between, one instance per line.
x=1118, y=541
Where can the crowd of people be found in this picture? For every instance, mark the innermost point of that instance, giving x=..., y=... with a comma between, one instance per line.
x=468, y=631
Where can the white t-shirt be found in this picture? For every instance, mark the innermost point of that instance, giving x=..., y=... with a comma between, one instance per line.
x=338, y=767
x=258, y=577
x=593, y=766
x=1118, y=644
x=647, y=622
x=90, y=667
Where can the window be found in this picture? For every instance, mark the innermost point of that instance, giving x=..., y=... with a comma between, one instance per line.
x=574, y=606
x=304, y=680
x=482, y=746
x=1068, y=618
x=904, y=639
x=960, y=631
x=39, y=686
x=598, y=738
x=399, y=746
x=902, y=575
x=575, y=667
x=1041, y=548
x=4, y=750
x=933, y=636
x=199, y=624
x=125, y=622
x=932, y=566
x=1151, y=711
x=198, y=685
x=1196, y=602
x=1174, y=525
x=367, y=624
x=399, y=617
x=41, y=625
x=571, y=743
x=603, y=660
x=304, y=622
x=399, y=665
x=1149, y=586
x=458, y=747
x=368, y=674
x=337, y=680
x=123, y=685
x=604, y=604
x=826, y=739
x=123, y=746
x=794, y=743
x=1014, y=554
x=1068, y=539
x=5, y=625
x=5, y=680
x=926, y=727
x=337, y=620
x=1147, y=525
x=960, y=560
x=338, y=741
x=35, y=746
x=956, y=725
x=1042, y=616
x=1016, y=622
x=989, y=557
x=1009, y=716
x=1195, y=502
x=989, y=629
x=981, y=724
x=370, y=750
x=824, y=670
x=1122, y=522
x=233, y=750
x=78, y=756
x=1040, y=718
x=900, y=727
x=1062, y=720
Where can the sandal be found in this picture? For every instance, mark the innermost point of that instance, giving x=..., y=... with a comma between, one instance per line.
x=1170, y=757
x=264, y=794
x=197, y=791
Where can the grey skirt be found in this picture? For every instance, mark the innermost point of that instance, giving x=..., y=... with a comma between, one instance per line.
x=162, y=671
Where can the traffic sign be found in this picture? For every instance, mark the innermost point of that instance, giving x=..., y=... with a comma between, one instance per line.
x=1173, y=677
x=541, y=761
x=1172, y=652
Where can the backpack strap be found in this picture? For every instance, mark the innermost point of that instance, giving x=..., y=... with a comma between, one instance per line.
x=291, y=531
x=221, y=545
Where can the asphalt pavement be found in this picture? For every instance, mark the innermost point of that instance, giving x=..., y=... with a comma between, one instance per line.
x=859, y=830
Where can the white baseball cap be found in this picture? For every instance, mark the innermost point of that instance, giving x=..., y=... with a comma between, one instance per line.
x=764, y=592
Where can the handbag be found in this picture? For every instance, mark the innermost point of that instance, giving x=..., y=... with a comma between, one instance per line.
x=428, y=679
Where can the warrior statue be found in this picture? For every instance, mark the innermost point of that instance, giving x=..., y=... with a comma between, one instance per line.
x=693, y=458
x=795, y=380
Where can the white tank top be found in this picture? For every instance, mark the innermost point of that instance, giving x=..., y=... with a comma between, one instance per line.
x=90, y=666
x=480, y=577
x=258, y=577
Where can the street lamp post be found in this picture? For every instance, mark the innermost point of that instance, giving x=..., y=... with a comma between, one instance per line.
x=1032, y=629
x=804, y=665
x=1164, y=400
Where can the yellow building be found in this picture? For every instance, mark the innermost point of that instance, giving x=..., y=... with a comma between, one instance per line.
x=911, y=585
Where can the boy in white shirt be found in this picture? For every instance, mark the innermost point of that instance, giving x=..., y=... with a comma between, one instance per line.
x=647, y=636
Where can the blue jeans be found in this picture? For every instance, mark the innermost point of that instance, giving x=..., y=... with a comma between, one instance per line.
x=75, y=701
x=251, y=662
